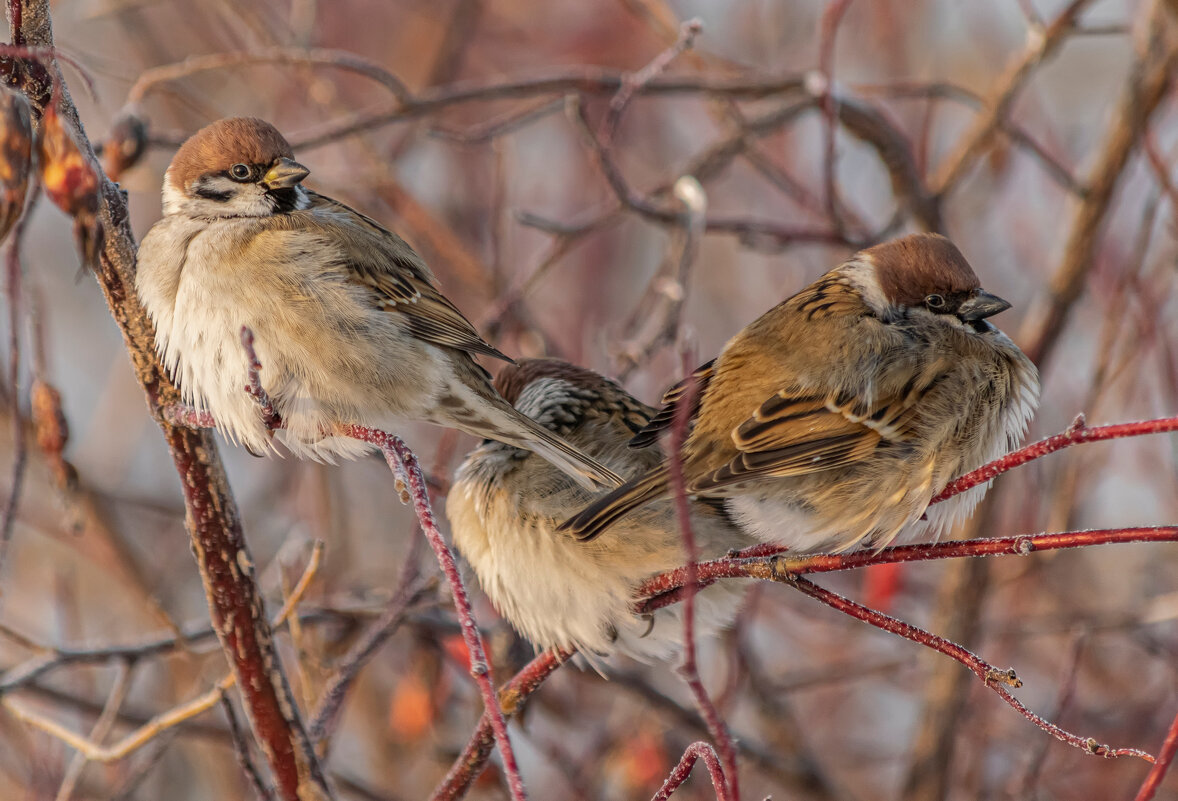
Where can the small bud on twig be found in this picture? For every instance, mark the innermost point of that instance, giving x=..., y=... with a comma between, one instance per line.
x=125, y=144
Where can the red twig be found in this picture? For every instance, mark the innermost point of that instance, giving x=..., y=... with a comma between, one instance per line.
x=404, y=465
x=1161, y=765
x=997, y=680
x=778, y=568
x=679, y=774
x=1077, y=433
x=831, y=17
x=728, y=786
x=512, y=696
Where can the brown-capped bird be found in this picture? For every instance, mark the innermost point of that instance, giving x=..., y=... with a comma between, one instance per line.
x=505, y=507
x=834, y=418
x=348, y=323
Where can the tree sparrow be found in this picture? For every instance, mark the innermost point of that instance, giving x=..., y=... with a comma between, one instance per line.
x=834, y=418
x=347, y=320
x=505, y=507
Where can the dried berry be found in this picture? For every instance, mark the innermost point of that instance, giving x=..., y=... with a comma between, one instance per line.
x=52, y=431
x=67, y=175
x=16, y=157
x=71, y=181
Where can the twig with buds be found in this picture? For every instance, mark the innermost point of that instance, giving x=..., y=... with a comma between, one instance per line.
x=1042, y=42
x=1149, y=81
x=634, y=81
x=821, y=84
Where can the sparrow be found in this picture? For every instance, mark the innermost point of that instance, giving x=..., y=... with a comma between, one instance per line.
x=348, y=323
x=505, y=507
x=834, y=418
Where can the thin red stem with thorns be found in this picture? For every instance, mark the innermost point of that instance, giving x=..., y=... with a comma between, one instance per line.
x=512, y=696
x=728, y=788
x=779, y=568
x=997, y=680
x=404, y=465
x=679, y=774
x=253, y=387
x=1161, y=765
x=1078, y=432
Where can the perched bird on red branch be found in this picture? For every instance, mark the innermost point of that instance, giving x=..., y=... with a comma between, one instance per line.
x=505, y=507
x=348, y=323
x=834, y=418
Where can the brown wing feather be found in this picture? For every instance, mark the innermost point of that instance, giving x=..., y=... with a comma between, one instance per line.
x=401, y=282
x=670, y=403
x=428, y=313
x=792, y=436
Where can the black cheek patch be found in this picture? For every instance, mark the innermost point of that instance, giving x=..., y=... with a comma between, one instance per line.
x=208, y=193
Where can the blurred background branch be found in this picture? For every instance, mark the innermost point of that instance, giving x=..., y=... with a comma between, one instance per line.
x=1039, y=136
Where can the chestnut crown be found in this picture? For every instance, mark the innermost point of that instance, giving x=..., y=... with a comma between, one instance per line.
x=219, y=147
x=928, y=271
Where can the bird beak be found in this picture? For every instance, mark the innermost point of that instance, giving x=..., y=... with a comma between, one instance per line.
x=285, y=174
x=981, y=305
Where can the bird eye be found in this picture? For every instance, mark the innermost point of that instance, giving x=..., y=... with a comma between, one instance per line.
x=934, y=302
x=240, y=172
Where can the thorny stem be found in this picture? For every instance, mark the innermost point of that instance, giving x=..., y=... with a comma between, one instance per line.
x=1078, y=432
x=404, y=465
x=656, y=589
x=253, y=387
x=680, y=772
x=729, y=785
x=512, y=695
x=1158, y=772
x=235, y=606
x=994, y=678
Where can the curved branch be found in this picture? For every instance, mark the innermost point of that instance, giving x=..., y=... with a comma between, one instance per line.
x=151, y=78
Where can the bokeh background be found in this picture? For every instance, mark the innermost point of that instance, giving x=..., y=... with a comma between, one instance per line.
x=507, y=201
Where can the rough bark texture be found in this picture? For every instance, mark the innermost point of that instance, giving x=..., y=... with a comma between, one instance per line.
x=213, y=523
